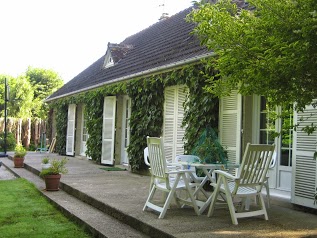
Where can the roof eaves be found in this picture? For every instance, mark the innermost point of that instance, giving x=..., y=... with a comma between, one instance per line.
x=142, y=73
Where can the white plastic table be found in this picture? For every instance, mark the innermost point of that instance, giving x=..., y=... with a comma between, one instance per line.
x=207, y=169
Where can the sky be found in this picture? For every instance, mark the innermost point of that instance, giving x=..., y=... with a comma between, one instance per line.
x=69, y=35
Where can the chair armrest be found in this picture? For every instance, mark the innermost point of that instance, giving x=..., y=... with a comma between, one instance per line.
x=179, y=171
x=174, y=164
x=226, y=174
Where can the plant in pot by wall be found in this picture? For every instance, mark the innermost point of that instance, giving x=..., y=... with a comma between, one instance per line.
x=19, y=154
x=46, y=163
x=209, y=149
x=52, y=175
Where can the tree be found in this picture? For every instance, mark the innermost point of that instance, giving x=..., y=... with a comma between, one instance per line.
x=268, y=48
x=44, y=82
x=21, y=96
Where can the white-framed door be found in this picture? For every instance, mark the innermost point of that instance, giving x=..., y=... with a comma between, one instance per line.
x=70, y=138
x=265, y=125
x=84, y=134
x=108, y=130
x=173, y=133
x=126, y=113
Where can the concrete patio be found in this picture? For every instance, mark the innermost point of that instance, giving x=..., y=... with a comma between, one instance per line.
x=122, y=194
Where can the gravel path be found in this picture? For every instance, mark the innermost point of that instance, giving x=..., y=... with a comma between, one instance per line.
x=5, y=174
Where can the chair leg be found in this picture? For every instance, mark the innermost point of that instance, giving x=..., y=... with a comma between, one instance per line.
x=214, y=198
x=262, y=204
x=230, y=203
x=267, y=187
x=148, y=200
x=170, y=196
x=167, y=203
x=191, y=195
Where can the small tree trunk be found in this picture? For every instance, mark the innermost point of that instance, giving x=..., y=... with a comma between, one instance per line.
x=18, y=134
x=36, y=132
x=1, y=124
x=27, y=133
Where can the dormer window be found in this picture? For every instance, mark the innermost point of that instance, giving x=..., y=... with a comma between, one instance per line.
x=108, y=60
x=115, y=53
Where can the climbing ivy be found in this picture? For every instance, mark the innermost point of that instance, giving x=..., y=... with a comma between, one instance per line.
x=146, y=119
x=61, y=127
x=202, y=108
x=147, y=101
x=94, y=120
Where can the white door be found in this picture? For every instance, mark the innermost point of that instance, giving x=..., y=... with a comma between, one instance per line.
x=70, y=140
x=108, y=130
x=173, y=133
x=304, y=185
x=265, y=126
x=230, y=125
x=84, y=135
x=125, y=129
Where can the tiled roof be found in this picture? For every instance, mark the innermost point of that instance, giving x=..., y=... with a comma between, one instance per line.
x=165, y=42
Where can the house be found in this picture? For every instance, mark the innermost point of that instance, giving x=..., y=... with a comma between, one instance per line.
x=139, y=88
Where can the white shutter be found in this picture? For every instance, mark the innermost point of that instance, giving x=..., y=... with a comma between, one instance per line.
x=230, y=125
x=70, y=139
x=108, y=130
x=304, y=184
x=173, y=117
x=181, y=95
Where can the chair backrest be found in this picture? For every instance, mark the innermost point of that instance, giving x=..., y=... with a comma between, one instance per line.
x=255, y=163
x=157, y=157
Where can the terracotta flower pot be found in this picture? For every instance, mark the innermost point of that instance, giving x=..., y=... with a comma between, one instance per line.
x=52, y=182
x=18, y=162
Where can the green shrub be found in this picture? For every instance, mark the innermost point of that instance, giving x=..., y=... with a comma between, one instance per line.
x=11, y=142
x=20, y=151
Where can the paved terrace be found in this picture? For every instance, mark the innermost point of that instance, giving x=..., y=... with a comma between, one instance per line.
x=92, y=197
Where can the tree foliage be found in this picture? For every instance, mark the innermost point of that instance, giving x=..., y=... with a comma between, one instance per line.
x=269, y=48
x=28, y=91
x=44, y=82
x=20, y=96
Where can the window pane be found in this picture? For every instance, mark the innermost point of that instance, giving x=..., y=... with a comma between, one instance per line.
x=263, y=104
x=285, y=157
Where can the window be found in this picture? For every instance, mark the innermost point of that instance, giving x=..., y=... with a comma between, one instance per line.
x=267, y=123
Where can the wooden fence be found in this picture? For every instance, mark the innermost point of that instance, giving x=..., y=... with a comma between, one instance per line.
x=26, y=131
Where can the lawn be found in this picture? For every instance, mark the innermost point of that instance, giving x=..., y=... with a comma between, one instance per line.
x=24, y=212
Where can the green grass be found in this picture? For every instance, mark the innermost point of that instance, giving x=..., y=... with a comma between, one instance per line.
x=24, y=212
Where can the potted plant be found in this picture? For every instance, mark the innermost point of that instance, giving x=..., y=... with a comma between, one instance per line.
x=52, y=175
x=46, y=163
x=19, y=154
x=209, y=149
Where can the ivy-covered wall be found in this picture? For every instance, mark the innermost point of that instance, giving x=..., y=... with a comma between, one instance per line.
x=147, y=100
x=61, y=127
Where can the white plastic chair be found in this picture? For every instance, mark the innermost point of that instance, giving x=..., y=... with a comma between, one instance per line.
x=247, y=184
x=146, y=156
x=161, y=180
